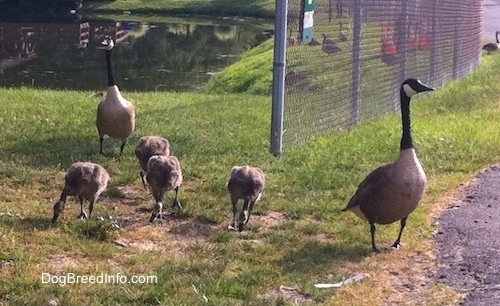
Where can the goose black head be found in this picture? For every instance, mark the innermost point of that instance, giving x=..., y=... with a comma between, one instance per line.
x=108, y=43
x=412, y=87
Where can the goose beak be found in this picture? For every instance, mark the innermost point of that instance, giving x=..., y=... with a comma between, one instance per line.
x=423, y=87
x=106, y=43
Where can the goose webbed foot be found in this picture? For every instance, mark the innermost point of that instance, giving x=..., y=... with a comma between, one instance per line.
x=176, y=205
x=82, y=216
x=158, y=218
x=396, y=245
x=241, y=226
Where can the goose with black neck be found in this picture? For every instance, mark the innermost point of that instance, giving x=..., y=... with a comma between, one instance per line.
x=393, y=191
x=115, y=115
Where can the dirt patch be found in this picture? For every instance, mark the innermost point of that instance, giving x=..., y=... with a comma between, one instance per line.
x=59, y=263
x=130, y=195
x=468, y=241
x=270, y=220
x=173, y=237
x=291, y=294
x=131, y=207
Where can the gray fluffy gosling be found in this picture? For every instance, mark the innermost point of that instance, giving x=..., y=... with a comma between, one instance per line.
x=115, y=115
x=393, y=191
x=147, y=147
x=246, y=183
x=163, y=173
x=86, y=181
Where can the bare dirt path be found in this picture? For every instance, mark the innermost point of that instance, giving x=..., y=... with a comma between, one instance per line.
x=469, y=241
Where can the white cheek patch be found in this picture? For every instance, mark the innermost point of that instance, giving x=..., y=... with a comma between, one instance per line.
x=408, y=90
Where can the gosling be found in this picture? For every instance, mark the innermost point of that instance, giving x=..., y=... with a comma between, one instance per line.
x=246, y=183
x=163, y=173
x=86, y=181
x=147, y=147
x=115, y=115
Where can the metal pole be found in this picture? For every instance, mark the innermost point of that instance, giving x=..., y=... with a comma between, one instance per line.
x=436, y=53
x=356, y=62
x=279, y=77
x=402, y=44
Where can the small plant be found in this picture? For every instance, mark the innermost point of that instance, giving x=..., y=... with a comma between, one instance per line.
x=102, y=229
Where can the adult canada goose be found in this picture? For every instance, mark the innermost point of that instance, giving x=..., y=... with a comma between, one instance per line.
x=329, y=46
x=490, y=47
x=328, y=41
x=86, y=181
x=393, y=191
x=115, y=115
x=343, y=34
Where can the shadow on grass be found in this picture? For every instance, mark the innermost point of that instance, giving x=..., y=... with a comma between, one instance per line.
x=65, y=150
x=317, y=255
x=28, y=223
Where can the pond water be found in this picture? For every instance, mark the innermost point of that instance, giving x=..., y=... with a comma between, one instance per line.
x=148, y=56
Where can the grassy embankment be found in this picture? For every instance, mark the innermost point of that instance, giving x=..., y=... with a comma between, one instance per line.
x=298, y=236
x=254, y=8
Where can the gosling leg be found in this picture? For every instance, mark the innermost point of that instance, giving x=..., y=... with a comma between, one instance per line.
x=244, y=216
x=176, y=203
x=124, y=142
x=91, y=207
x=232, y=226
x=157, y=212
x=101, y=139
x=143, y=178
x=82, y=214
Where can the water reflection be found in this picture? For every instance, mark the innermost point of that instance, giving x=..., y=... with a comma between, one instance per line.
x=148, y=56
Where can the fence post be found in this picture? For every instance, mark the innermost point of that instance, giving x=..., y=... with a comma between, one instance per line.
x=278, y=100
x=456, y=43
x=356, y=62
x=436, y=70
x=402, y=44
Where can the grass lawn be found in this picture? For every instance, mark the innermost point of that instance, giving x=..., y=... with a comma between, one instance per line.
x=297, y=236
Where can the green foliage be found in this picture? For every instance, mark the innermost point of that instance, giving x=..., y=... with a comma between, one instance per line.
x=101, y=230
x=252, y=74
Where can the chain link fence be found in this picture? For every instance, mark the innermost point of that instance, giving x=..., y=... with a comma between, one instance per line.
x=348, y=66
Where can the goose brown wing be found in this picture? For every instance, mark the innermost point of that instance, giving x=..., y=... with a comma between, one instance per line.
x=367, y=187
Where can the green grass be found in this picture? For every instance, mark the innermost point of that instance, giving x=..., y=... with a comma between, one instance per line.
x=252, y=74
x=253, y=8
x=296, y=237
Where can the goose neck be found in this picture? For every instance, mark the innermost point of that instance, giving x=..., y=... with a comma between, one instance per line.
x=109, y=65
x=406, y=139
x=64, y=196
